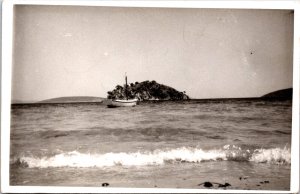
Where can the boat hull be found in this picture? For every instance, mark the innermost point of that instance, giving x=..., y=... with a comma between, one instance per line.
x=122, y=103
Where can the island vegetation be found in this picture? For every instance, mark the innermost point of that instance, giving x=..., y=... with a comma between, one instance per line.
x=146, y=90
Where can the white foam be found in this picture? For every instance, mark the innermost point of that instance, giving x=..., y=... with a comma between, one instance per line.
x=157, y=157
x=276, y=155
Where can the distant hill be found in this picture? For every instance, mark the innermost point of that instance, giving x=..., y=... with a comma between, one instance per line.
x=15, y=101
x=280, y=94
x=147, y=90
x=73, y=99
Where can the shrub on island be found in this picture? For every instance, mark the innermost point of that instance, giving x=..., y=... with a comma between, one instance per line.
x=146, y=90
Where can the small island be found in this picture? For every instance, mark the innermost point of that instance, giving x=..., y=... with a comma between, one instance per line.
x=147, y=90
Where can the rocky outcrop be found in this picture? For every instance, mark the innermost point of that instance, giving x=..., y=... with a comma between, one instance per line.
x=146, y=90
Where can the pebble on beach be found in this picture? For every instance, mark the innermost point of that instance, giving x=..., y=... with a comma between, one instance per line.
x=263, y=182
x=206, y=184
x=209, y=184
x=225, y=185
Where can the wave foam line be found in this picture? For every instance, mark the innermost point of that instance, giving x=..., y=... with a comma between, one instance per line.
x=157, y=157
x=276, y=155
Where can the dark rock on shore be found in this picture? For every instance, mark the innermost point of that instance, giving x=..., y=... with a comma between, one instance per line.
x=263, y=182
x=243, y=178
x=105, y=184
x=207, y=184
x=146, y=90
x=225, y=185
x=211, y=184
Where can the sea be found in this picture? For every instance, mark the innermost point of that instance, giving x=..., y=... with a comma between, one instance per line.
x=245, y=143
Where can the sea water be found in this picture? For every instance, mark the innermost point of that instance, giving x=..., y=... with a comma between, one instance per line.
x=171, y=144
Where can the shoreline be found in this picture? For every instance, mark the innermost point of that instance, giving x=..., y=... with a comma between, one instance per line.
x=163, y=177
x=158, y=101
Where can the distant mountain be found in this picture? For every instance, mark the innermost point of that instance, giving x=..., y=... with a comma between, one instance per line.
x=147, y=90
x=16, y=101
x=280, y=94
x=73, y=99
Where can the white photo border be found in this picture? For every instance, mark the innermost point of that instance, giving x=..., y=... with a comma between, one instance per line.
x=6, y=77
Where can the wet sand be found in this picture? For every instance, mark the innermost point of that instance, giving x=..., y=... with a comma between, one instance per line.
x=239, y=175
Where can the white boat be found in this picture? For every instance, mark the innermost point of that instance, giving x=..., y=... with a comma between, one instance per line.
x=123, y=102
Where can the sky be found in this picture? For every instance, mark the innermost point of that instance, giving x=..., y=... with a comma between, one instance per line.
x=209, y=53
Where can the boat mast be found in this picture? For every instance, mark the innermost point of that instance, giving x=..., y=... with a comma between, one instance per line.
x=126, y=86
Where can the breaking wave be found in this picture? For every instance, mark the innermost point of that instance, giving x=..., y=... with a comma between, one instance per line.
x=157, y=157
